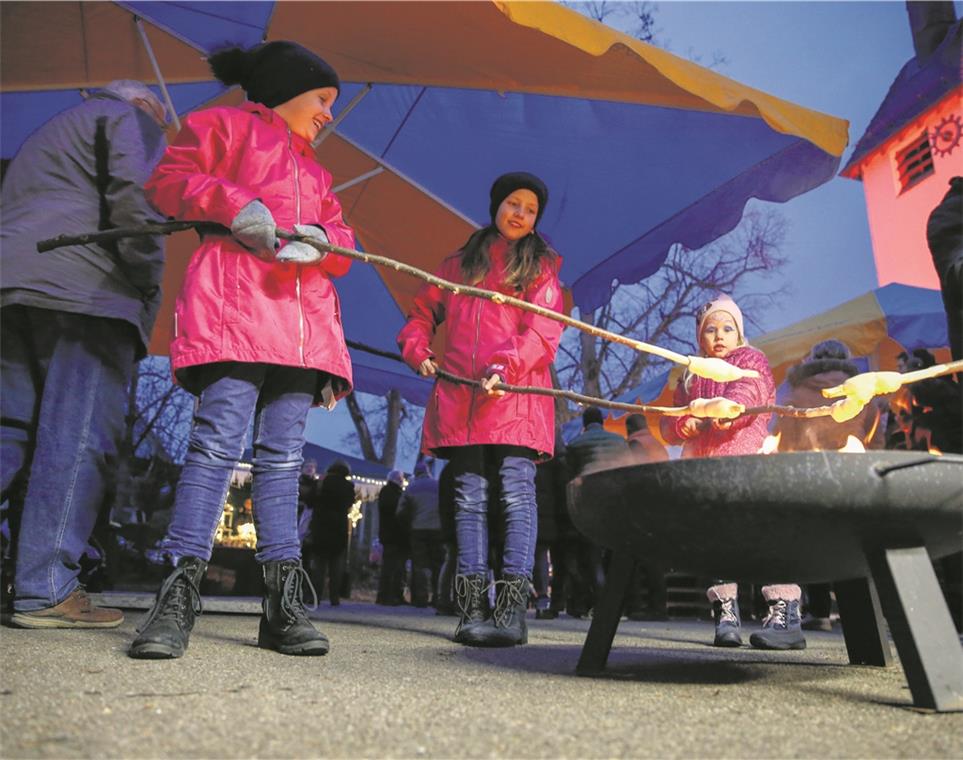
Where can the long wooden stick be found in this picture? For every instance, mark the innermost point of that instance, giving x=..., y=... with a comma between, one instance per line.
x=712, y=368
x=669, y=411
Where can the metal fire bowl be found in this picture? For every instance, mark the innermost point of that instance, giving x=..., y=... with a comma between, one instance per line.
x=797, y=517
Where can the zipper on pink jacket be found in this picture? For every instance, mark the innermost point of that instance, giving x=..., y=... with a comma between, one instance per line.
x=474, y=354
x=297, y=216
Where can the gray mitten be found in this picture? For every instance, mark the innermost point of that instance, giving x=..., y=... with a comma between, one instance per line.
x=254, y=228
x=296, y=252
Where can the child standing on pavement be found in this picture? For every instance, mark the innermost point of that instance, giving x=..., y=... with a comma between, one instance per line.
x=721, y=335
x=257, y=328
x=490, y=438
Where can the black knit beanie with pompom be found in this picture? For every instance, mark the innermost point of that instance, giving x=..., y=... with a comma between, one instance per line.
x=274, y=72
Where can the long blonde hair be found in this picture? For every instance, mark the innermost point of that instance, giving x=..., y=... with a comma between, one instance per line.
x=524, y=258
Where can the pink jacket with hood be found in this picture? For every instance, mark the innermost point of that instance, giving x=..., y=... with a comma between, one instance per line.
x=233, y=306
x=480, y=334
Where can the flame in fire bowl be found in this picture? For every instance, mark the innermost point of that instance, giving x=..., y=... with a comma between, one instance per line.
x=799, y=517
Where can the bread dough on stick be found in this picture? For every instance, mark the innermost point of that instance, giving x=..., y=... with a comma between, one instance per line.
x=719, y=370
x=717, y=408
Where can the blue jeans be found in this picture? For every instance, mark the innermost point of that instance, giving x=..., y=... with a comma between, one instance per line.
x=512, y=470
x=64, y=391
x=278, y=398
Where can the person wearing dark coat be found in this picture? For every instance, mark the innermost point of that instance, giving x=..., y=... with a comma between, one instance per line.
x=646, y=595
x=829, y=363
x=594, y=448
x=393, y=536
x=446, y=514
x=418, y=509
x=329, y=529
x=309, y=488
x=74, y=321
x=944, y=236
x=550, y=484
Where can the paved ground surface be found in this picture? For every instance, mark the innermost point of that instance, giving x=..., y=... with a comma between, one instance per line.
x=395, y=686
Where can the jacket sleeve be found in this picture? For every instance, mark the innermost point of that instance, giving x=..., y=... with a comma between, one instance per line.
x=186, y=183
x=330, y=219
x=751, y=391
x=671, y=427
x=426, y=313
x=134, y=145
x=537, y=340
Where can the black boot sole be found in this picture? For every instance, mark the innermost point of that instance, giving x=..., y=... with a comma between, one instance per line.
x=304, y=649
x=154, y=652
x=776, y=646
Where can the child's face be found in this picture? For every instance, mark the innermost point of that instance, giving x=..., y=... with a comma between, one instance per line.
x=719, y=335
x=516, y=215
x=308, y=113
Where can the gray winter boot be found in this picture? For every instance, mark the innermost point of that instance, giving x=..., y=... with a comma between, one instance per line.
x=284, y=623
x=781, y=629
x=725, y=611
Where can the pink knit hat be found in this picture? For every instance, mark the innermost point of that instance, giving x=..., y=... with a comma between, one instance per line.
x=722, y=302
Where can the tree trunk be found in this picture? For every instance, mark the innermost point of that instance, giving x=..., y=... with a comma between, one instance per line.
x=591, y=367
x=361, y=425
x=396, y=413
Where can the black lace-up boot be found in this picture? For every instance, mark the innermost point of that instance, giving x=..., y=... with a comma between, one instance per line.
x=511, y=603
x=474, y=622
x=167, y=628
x=284, y=625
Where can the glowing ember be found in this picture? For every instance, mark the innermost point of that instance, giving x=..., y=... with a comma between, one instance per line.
x=853, y=444
x=935, y=451
x=771, y=444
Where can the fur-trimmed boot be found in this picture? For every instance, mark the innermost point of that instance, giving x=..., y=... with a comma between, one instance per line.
x=284, y=625
x=475, y=627
x=725, y=610
x=511, y=602
x=781, y=629
x=166, y=630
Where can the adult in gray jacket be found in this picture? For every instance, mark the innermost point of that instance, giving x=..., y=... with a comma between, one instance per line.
x=72, y=324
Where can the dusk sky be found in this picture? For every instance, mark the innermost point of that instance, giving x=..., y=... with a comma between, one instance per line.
x=838, y=58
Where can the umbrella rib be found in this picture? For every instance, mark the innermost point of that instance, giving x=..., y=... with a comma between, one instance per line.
x=404, y=177
x=157, y=72
x=330, y=128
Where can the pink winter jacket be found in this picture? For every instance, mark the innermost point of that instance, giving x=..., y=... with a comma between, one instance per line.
x=233, y=306
x=480, y=334
x=747, y=433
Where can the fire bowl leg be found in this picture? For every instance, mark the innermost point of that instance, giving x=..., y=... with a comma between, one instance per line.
x=921, y=626
x=605, y=618
x=864, y=628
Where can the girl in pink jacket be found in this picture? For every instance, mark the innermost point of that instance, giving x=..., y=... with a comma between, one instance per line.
x=257, y=328
x=492, y=440
x=720, y=334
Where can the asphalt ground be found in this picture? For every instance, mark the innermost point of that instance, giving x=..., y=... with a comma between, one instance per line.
x=394, y=685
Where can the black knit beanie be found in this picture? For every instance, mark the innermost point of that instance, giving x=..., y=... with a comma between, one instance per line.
x=509, y=183
x=274, y=72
